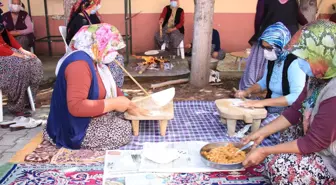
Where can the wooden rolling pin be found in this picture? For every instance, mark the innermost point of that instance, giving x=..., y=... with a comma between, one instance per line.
x=161, y=31
x=136, y=82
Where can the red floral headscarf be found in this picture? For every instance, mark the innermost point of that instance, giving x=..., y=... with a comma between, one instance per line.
x=77, y=6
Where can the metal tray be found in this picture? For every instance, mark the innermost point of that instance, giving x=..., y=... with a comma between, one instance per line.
x=208, y=147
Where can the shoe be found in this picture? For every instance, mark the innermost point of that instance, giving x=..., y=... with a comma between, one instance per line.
x=6, y=124
x=27, y=123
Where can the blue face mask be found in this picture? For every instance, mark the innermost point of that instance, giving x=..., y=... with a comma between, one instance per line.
x=173, y=4
x=305, y=67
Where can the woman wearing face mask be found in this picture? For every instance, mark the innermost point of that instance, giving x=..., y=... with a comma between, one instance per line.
x=83, y=12
x=283, y=79
x=19, y=69
x=268, y=13
x=19, y=24
x=307, y=153
x=172, y=23
x=86, y=104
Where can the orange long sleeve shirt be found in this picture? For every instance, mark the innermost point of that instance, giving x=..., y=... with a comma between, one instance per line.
x=79, y=77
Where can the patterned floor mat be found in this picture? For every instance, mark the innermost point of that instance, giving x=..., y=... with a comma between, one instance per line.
x=93, y=174
x=194, y=121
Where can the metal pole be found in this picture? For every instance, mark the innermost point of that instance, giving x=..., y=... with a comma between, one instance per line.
x=126, y=30
x=29, y=8
x=47, y=26
x=130, y=26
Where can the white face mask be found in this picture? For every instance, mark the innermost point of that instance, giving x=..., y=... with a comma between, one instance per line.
x=94, y=11
x=15, y=8
x=270, y=55
x=173, y=4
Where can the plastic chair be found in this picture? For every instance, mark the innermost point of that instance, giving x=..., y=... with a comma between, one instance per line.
x=63, y=31
x=31, y=101
x=180, y=49
x=32, y=48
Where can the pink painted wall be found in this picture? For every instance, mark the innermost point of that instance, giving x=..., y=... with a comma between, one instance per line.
x=235, y=30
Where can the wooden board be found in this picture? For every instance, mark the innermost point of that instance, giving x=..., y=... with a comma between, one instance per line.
x=229, y=111
x=157, y=113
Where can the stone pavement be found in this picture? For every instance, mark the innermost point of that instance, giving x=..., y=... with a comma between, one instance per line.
x=11, y=142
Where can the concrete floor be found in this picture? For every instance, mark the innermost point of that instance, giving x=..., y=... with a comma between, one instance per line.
x=49, y=65
x=11, y=142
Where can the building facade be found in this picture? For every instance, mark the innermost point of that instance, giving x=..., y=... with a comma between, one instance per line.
x=233, y=19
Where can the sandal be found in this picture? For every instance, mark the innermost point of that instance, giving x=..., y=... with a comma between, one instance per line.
x=27, y=123
x=14, y=121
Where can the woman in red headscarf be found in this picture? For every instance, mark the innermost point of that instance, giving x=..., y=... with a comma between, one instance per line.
x=83, y=12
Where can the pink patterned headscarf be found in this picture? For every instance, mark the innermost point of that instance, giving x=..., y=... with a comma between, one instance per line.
x=100, y=41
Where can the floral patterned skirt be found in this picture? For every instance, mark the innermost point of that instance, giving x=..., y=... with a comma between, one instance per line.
x=107, y=132
x=296, y=168
x=16, y=75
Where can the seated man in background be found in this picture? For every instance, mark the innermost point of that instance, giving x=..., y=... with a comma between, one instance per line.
x=216, y=51
x=19, y=24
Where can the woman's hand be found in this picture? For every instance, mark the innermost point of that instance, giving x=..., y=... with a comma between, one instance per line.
x=14, y=33
x=122, y=104
x=31, y=55
x=137, y=111
x=253, y=104
x=241, y=94
x=17, y=54
x=257, y=137
x=160, y=21
x=255, y=157
x=28, y=53
x=170, y=30
x=187, y=46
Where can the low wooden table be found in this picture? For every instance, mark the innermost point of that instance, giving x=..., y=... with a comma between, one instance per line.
x=230, y=114
x=240, y=56
x=162, y=115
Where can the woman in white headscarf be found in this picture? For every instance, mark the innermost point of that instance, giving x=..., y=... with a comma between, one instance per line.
x=19, y=24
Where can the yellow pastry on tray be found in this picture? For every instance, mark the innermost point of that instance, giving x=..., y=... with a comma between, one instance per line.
x=225, y=155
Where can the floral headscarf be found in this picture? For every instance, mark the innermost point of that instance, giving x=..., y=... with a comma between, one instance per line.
x=316, y=43
x=101, y=42
x=277, y=35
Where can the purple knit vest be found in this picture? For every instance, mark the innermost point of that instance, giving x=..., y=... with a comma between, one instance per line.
x=20, y=24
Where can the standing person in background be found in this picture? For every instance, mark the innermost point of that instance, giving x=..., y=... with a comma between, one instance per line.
x=19, y=24
x=216, y=51
x=172, y=23
x=268, y=13
x=83, y=12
